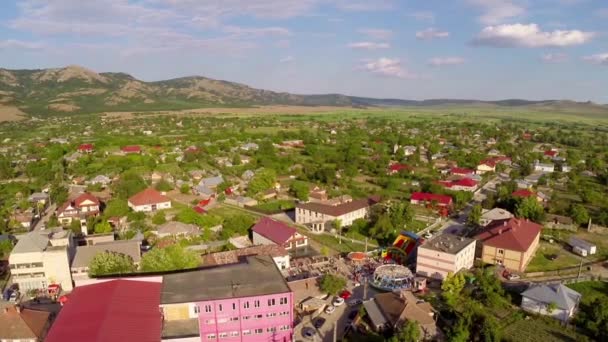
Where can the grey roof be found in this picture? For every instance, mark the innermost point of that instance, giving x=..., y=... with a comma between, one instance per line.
x=448, y=243
x=212, y=181
x=496, y=214
x=202, y=189
x=84, y=254
x=37, y=196
x=31, y=242
x=374, y=313
x=174, y=227
x=563, y=297
x=255, y=276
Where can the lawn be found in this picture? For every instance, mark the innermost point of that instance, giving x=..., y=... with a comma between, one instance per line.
x=225, y=211
x=540, y=262
x=333, y=243
x=416, y=226
x=539, y=329
x=275, y=206
x=590, y=290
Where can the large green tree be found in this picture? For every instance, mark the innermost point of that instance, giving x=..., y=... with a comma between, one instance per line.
x=263, y=180
x=474, y=216
x=530, y=208
x=171, y=258
x=105, y=263
x=331, y=284
x=103, y=227
x=300, y=190
x=410, y=332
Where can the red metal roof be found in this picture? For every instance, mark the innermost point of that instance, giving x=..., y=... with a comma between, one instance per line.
x=425, y=196
x=200, y=210
x=398, y=167
x=117, y=310
x=85, y=147
x=523, y=193
x=131, y=149
x=513, y=234
x=85, y=196
x=550, y=153
x=148, y=196
x=277, y=232
x=461, y=171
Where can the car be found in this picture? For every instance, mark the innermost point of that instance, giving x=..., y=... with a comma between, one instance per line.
x=428, y=236
x=14, y=296
x=345, y=294
x=43, y=226
x=338, y=301
x=513, y=276
x=330, y=309
x=318, y=322
x=354, y=302
x=309, y=332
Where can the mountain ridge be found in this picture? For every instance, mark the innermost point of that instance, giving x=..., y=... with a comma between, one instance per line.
x=78, y=89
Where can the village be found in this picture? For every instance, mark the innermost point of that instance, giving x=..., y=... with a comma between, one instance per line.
x=189, y=228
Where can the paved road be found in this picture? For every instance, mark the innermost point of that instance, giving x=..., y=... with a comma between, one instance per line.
x=49, y=212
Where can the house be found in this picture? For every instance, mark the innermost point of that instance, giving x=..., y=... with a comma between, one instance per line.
x=206, y=187
x=279, y=255
x=86, y=148
x=268, y=231
x=566, y=168
x=317, y=194
x=396, y=168
x=102, y=180
x=407, y=150
x=249, y=147
x=247, y=175
x=462, y=172
x=582, y=247
x=488, y=165
x=394, y=309
x=293, y=143
x=555, y=300
x=149, y=200
x=241, y=201
x=559, y=222
x=79, y=209
x=131, y=149
x=544, y=167
x=22, y=324
x=446, y=253
x=463, y=184
x=526, y=193
x=428, y=198
x=109, y=311
x=177, y=230
x=85, y=254
x=24, y=219
x=551, y=153
x=247, y=301
x=320, y=215
x=41, y=259
x=41, y=198
x=511, y=243
x=495, y=214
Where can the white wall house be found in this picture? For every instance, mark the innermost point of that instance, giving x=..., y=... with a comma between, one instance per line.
x=149, y=200
x=556, y=300
x=447, y=253
x=319, y=216
x=544, y=167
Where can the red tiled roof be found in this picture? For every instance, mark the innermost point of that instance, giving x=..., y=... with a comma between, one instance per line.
x=464, y=182
x=461, y=171
x=24, y=324
x=428, y=197
x=398, y=167
x=199, y=210
x=488, y=162
x=550, y=153
x=277, y=232
x=117, y=310
x=85, y=196
x=513, y=234
x=131, y=149
x=85, y=147
x=148, y=196
x=523, y=193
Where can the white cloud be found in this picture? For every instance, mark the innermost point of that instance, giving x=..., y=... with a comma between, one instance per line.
x=369, y=45
x=442, y=61
x=531, y=36
x=390, y=67
x=287, y=59
x=600, y=59
x=431, y=33
x=364, y=5
x=20, y=44
x=257, y=31
x=497, y=11
x=380, y=34
x=427, y=16
x=554, y=57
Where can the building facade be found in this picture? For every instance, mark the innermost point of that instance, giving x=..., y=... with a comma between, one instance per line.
x=445, y=254
x=149, y=200
x=319, y=216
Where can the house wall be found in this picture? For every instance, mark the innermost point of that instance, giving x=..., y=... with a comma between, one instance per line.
x=536, y=307
x=148, y=207
x=282, y=262
x=261, y=240
x=57, y=268
x=304, y=216
x=242, y=319
x=529, y=254
x=50, y=267
x=510, y=259
x=348, y=218
x=437, y=264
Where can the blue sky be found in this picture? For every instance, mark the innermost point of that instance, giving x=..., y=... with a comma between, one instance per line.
x=410, y=49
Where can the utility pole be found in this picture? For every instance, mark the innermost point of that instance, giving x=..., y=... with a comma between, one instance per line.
x=335, y=332
x=365, y=245
x=365, y=288
x=580, y=268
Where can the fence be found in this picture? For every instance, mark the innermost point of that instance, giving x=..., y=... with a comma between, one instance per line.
x=594, y=228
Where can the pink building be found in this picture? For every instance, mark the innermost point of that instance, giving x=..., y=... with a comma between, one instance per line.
x=247, y=301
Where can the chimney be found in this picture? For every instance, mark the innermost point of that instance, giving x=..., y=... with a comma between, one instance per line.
x=499, y=231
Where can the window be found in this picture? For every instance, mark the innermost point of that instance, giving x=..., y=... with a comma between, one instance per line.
x=219, y=307
x=284, y=327
x=246, y=305
x=272, y=314
x=284, y=313
x=210, y=321
x=222, y=320
x=207, y=308
x=271, y=302
x=246, y=332
x=223, y=335
x=273, y=329
x=256, y=303
x=211, y=336
x=234, y=333
x=246, y=318
x=283, y=301
x=233, y=306
x=258, y=331
x=501, y=251
x=234, y=319
x=259, y=316
x=197, y=309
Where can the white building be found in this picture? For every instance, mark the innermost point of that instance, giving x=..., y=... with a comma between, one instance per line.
x=41, y=259
x=319, y=216
x=149, y=200
x=538, y=299
x=544, y=167
x=446, y=253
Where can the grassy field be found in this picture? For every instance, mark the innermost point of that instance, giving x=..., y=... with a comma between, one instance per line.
x=275, y=206
x=333, y=243
x=540, y=262
x=591, y=290
x=538, y=329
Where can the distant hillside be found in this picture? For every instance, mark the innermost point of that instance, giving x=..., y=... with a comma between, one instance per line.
x=79, y=90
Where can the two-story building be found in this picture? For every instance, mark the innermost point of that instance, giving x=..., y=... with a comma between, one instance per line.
x=319, y=216
x=268, y=232
x=78, y=209
x=248, y=301
x=446, y=253
x=40, y=259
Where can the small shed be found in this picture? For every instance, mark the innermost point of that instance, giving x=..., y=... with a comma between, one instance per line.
x=582, y=247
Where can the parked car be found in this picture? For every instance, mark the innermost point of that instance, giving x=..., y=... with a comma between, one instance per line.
x=7, y=294
x=14, y=296
x=318, y=322
x=345, y=294
x=513, y=276
x=354, y=302
x=309, y=332
x=330, y=309
x=353, y=314
x=338, y=301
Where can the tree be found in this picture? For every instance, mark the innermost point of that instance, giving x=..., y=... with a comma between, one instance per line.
x=116, y=208
x=530, y=208
x=159, y=218
x=174, y=257
x=105, y=263
x=452, y=286
x=163, y=185
x=595, y=318
x=102, y=228
x=5, y=247
x=236, y=159
x=299, y=190
x=76, y=227
x=400, y=214
x=551, y=307
x=474, y=216
x=579, y=214
x=263, y=180
x=184, y=189
x=383, y=228
x=410, y=332
x=129, y=184
x=331, y=284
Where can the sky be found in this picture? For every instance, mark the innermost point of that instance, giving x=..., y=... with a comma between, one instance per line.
x=408, y=49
